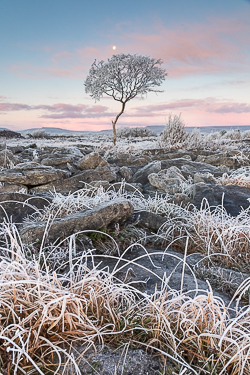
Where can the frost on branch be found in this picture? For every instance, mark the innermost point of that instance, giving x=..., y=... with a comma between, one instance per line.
x=123, y=77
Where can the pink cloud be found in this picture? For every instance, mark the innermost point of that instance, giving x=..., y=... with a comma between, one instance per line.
x=63, y=111
x=60, y=110
x=179, y=104
x=232, y=108
x=196, y=112
x=211, y=105
x=7, y=107
x=218, y=46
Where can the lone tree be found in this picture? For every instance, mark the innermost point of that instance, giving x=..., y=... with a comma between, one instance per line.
x=123, y=77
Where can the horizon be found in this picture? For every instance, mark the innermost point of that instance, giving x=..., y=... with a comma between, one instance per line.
x=47, y=51
x=158, y=129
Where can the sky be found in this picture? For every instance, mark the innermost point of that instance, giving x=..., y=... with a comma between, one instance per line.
x=47, y=48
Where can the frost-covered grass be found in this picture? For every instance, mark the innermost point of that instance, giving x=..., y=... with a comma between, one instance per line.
x=43, y=312
x=212, y=231
x=223, y=239
x=240, y=177
x=53, y=298
x=173, y=137
x=89, y=197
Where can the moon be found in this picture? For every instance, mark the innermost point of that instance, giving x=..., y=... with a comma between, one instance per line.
x=114, y=47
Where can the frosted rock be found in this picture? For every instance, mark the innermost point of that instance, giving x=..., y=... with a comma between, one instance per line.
x=91, y=161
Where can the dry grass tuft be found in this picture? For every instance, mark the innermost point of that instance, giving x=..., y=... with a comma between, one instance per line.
x=43, y=312
x=240, y=177
x=213, y=232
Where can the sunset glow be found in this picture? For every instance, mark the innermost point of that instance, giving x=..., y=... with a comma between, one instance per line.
x=47, y=51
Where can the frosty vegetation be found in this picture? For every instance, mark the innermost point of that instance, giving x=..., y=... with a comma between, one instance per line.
x=42, y=308
x=52, y=297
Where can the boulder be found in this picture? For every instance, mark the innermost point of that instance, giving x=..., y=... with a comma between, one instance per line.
x=16, y=206
x=189, y=168
x=184, y=154
x=168, y=180
x=150, y=270
x=57, y=161
x=85, y=149
x=16, y=149
x=204, y=177
x=129, y=161
x=126, y=173
x=118, y=210
x=70, y=151
x=31, y=174
x=91, y=161
x=141, y=176
x=77, y=182
x=12, y=188
x=217, y=159
x=100, y=173
x=234, y=197
x=149, y=220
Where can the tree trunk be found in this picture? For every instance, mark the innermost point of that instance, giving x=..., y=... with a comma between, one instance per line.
x=114, y=122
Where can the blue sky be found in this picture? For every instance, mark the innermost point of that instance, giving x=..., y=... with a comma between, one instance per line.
x=47, y=48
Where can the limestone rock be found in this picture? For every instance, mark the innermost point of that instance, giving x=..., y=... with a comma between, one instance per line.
x=234, y=197
x=204, y=177
x=184, y=154
x=16, y=149
x=31, y=173
x=168, y=180
x=149, y=220
x=189, y=168
x=12, y=188
x=100, y=173
x=141, y=176
x=57, y=161
x=91, y=161
x=118, y=210
x=16, y=206
x=71, y=151
x=77, y=182
x=126, y=173
x=217, y=159
x=129, y=161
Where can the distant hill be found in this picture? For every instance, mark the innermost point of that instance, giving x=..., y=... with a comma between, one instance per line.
x=154, y=128
x=54, y=131
x=203, y=129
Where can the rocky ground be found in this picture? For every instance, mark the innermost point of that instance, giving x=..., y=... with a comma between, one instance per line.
x=31, y=171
